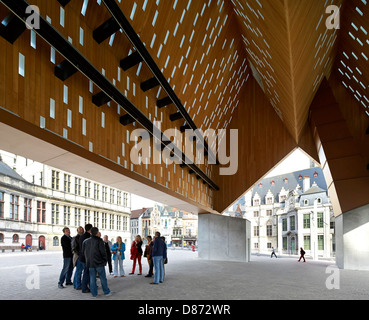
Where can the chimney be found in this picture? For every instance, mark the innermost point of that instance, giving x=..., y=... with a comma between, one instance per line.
x=306, y=183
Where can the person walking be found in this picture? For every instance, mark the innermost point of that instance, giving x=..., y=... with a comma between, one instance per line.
x=86, y=276
x=67, y=270
x=159, y=253
x=147, y=254
x=136, y=254
x=108, y=246
x=96, y=259
x=302, y=254
x=118, y=250
x=273, y=253
x=76, y=252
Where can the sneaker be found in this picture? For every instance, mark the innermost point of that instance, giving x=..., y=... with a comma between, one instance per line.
x=139, y=274
x=60, y=286
x=109, y=294
x=131, y=273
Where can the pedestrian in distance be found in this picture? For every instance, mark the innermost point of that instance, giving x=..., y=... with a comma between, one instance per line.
x=96, y=259
x=136, y=254
x=159, y=253
x=108, y=246
x=302, y=254
x=273, y=253
x=118, y=250
x=67, y=270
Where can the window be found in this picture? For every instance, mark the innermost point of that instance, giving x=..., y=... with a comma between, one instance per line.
x=307, y=221
x=1, y=237
x=66, y=215
x=125, y=223
x=125, y=199
x=87, y=189
x=119, y=222
x=269, y=200
x=256, y=202
x=96, y=191
x=256, y=231
x=282, y=198
x=319, y=200
x=87, y=216
x=284, y=243
x=104, y=194
x=14, y=207
x=67, y=183
x=269, y=245
x=15, y=238
x=55, y=241
x=307, y=242
x=292, y=223
x=96, y=219
x=27, y=209
x=112, y=221
x=1, y=204
x=55, y=180
x=119, y=198
x=269, y=213
x=77, y=217
x=103, y=220
x=77, y=186
x=320, y=242
x=306, y=202
x=256, y=214
x=284, y=224
x=320, y=220
x=269, y=230
x=111, y=195
x=54, y=213
x=41, y=212
x=256, y=245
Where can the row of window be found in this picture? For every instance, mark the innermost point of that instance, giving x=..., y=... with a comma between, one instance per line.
x=306, y=221
x=14, y=211
x=307, y=242
x=269, y=200
x=269, y=230
x=115, y=196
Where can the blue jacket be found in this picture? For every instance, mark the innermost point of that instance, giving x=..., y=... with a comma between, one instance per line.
x=159, y=248
x=114, y=248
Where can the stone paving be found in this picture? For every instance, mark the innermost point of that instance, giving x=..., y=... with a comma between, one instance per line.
x=189, y=278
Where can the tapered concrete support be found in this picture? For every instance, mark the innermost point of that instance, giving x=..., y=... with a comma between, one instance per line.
x=352, y=239
x=224, y=238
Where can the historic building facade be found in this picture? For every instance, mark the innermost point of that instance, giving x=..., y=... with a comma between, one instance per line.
x=288, y=212
x=36, y=204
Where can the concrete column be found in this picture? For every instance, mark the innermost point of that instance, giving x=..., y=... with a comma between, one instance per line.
x=224, y=238
x=352, y=239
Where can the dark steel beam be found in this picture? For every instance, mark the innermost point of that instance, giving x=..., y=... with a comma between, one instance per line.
x=126, y=120
x=64, y=70
x=175, y=116
x=130, y=61
x=105, y=30
x=149, y=84
x=66, y=49
x=63, y=2
x=100, y=98
x=164, y=102
x=11, y=28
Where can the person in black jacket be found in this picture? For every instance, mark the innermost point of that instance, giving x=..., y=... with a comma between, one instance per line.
x=66, y=273
x=96, y=259
x=302, y=254
x=86, y=275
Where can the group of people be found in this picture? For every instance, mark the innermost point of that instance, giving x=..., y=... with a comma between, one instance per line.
x=88, y=253
x=302, y=254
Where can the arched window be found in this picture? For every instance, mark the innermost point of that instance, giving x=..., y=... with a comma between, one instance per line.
x=15, y=238
x=55, y=241
x=319, y=200
x=306, y=202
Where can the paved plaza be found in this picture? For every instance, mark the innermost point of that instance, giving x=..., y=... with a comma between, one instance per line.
x=189, y=278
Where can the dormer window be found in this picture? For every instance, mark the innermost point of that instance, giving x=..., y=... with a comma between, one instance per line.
x=315, y=174
x=306, y=202
x=256, y=202
x=319, y=200
x=300, y=177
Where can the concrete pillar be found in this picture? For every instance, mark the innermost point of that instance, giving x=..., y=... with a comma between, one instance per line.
x=224, y=238
x=352, y=239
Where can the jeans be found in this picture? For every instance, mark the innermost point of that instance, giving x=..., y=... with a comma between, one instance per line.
x=78, y=275
x=85, y=277
x=66, y=273
x=159, y=269
x=104, y=281
x=118, y=260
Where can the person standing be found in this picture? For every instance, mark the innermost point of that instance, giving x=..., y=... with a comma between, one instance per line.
x=136, y=254
x=273, y=253
x=66, y=273
x=147, y=254
x=86, y=276
x=118, y=250
x=159, y=253
x=76, y=252
x=96, y=259
x=108, y=245
x=302, y=254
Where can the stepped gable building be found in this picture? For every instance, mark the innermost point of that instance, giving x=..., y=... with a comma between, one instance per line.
x=291, y=211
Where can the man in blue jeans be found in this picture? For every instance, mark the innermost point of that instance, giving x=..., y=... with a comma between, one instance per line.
x=66, y=273
x=159, y=253
x=96, y=259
